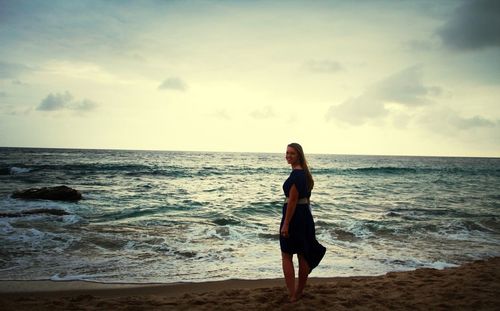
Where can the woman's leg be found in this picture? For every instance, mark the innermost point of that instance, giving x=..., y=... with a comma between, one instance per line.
x=303, y=274
x=289, y=272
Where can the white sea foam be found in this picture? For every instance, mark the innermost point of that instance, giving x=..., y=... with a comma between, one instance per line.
x=11, y=204
x=5, y=227
x=25, y=238
x=8, y=268
x=442, y=265
x=19, y=170
x=130, y=245
x=63, y=277
x=72, y=219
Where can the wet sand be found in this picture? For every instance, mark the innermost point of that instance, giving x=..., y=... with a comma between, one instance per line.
x=472, y=286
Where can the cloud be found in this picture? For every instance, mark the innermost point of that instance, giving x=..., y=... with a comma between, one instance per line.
x=473, y=122
x=404, y=89
x=221, y=114
x=55, y=102
x=358, y=110
x=84, y=105
x=474, y=25
x=419, y=45
x=18, y=82
x=448, y=122
x=66, y=28
x=173, y=83
x=12, y=70
x=64, y=101
x=323, y=66
x=264, y=113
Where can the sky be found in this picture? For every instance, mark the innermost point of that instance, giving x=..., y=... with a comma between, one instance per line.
x=339, y=77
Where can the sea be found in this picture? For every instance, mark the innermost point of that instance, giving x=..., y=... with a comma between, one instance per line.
x=165, y=217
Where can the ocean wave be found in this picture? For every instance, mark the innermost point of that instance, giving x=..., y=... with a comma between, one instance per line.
x=223, y=221
x=19, y=170
x=463, y=229
x=6, y=227
x=72, y=219
x=138, y=170
x=14, y=170
x=343, y=235
x=131, y=213
x=112, y=168
x=269, y=236
x=395, y=170
x=271, y=208
x=366, y=170
x=385, y=170
x=37, y=211
x=64, y=277
x=413, y=263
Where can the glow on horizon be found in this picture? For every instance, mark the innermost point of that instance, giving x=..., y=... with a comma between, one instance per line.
x=382, y=78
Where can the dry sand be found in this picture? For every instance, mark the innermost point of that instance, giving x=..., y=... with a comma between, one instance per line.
x=473, y=286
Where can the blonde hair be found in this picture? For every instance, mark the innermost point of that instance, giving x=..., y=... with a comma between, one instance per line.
x=303, y=163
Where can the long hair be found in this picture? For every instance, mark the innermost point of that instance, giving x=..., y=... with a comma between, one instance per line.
x=303, y=163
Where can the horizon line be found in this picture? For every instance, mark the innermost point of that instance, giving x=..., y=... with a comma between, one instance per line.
x=209, y=151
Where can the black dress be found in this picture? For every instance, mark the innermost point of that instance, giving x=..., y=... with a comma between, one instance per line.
x=301, y=232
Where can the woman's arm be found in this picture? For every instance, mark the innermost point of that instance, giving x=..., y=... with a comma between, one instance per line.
x=293, y=197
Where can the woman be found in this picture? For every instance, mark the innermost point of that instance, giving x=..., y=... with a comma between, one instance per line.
x=297, y=233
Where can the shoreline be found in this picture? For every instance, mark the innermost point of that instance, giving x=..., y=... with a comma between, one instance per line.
x=471, y=286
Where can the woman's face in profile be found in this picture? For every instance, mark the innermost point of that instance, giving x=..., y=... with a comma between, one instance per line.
x=291, y=155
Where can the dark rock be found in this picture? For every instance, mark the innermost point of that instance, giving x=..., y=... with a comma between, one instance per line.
x=50, y=211
x=60, y=193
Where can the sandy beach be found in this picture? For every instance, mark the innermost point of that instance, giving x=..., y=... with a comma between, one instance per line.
x=472, y=286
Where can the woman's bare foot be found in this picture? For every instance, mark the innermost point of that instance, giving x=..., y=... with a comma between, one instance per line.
x=295, y=298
